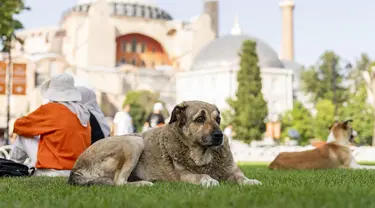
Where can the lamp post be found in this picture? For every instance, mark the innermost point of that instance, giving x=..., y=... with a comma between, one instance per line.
x=8, y=92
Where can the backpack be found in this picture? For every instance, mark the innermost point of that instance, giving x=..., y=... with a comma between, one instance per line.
x=8, y=168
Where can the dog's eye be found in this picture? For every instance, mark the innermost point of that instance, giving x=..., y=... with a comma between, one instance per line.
x=200, y=119
x=218, y=120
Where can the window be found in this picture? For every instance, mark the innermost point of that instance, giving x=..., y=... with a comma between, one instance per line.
x=143, y=11
x=40, y=78
x=143, y=64
x=123, y=61
x=151, y=12
x=128, y=47
x=134, y=62
x=123, y=45
x=134, y=10
x=143, y=47
x=134, y=45
x=139, y=48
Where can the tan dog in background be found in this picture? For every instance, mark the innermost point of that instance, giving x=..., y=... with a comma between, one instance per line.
x=334, y=154
x=191, y=148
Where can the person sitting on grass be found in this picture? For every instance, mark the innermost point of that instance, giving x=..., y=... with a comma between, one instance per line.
x=55, y=134
x=99, y=125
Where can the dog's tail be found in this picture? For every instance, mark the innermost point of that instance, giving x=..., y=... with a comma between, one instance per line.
x=78, y=179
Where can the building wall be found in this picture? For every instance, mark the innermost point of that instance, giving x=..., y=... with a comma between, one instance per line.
x=101, y=41
x=215, y=86
x=75, y=27
x=140, y=50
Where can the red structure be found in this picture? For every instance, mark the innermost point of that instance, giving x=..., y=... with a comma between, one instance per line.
x=141, y=51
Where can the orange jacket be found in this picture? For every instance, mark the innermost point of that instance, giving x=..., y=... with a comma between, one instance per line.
x=62, y=137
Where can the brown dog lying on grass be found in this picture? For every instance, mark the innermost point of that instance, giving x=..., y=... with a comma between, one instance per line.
x=334, y=154
x=191, y=148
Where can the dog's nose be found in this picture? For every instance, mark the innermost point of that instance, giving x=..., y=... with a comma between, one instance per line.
x=217, y=135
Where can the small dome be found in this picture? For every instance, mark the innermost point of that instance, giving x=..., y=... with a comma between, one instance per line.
x=223, y=52
x=296, y=67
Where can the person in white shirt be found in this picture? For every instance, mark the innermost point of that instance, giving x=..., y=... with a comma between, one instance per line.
x=123, y=123
x=229, y=132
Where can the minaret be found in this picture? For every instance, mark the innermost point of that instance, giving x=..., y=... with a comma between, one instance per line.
x=236, y=30
x=287, y=50
x=211, y=7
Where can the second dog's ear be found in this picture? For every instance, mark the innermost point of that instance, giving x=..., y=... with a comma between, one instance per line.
x=178, y=114
x=348, y=121
x=330, y=127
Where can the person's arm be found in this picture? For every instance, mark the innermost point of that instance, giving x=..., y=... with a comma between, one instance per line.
x=131, y=127
x=114, y=123
x=36, y=123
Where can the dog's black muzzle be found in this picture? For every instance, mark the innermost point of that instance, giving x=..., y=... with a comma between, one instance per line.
x=217, y=137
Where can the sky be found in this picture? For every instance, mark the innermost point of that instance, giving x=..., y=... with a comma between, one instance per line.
x=346, y=27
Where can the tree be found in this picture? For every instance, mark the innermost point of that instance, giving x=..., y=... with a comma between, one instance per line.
x=8, y=24
x=298, y=119
x=226, y=118
x=361, y=112
x=141, y=105
x=249, y=107
x=362, y=64
x=324, y=118
x=319, y=80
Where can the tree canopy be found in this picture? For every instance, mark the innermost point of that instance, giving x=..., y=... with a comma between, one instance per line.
x=8, y=23
x=249, y=107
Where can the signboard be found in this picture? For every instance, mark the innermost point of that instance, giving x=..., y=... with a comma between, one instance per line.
x=3, y=72
x=19, y=79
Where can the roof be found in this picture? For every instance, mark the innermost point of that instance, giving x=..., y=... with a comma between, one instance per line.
x=223, y=52
x=131, y=8
x=141, y=2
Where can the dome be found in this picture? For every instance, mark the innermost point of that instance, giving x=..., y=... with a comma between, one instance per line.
x=223, y=52
x=296, y=67
x=131, y=8
x=140, y=2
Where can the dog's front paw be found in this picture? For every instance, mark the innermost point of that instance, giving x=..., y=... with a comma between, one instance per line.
x=141, y=183
x=250, y=182
x=207, y=181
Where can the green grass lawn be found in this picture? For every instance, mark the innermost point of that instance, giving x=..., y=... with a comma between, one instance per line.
x=281, y=189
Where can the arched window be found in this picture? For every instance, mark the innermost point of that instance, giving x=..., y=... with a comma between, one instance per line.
x=134, y=45
x=123, y=46
x=143, y=47
x=143, y=11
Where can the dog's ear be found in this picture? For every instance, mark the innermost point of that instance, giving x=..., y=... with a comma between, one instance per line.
x=346, y=122
x=217, y=109
x=178, y=114
x=330, y=127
